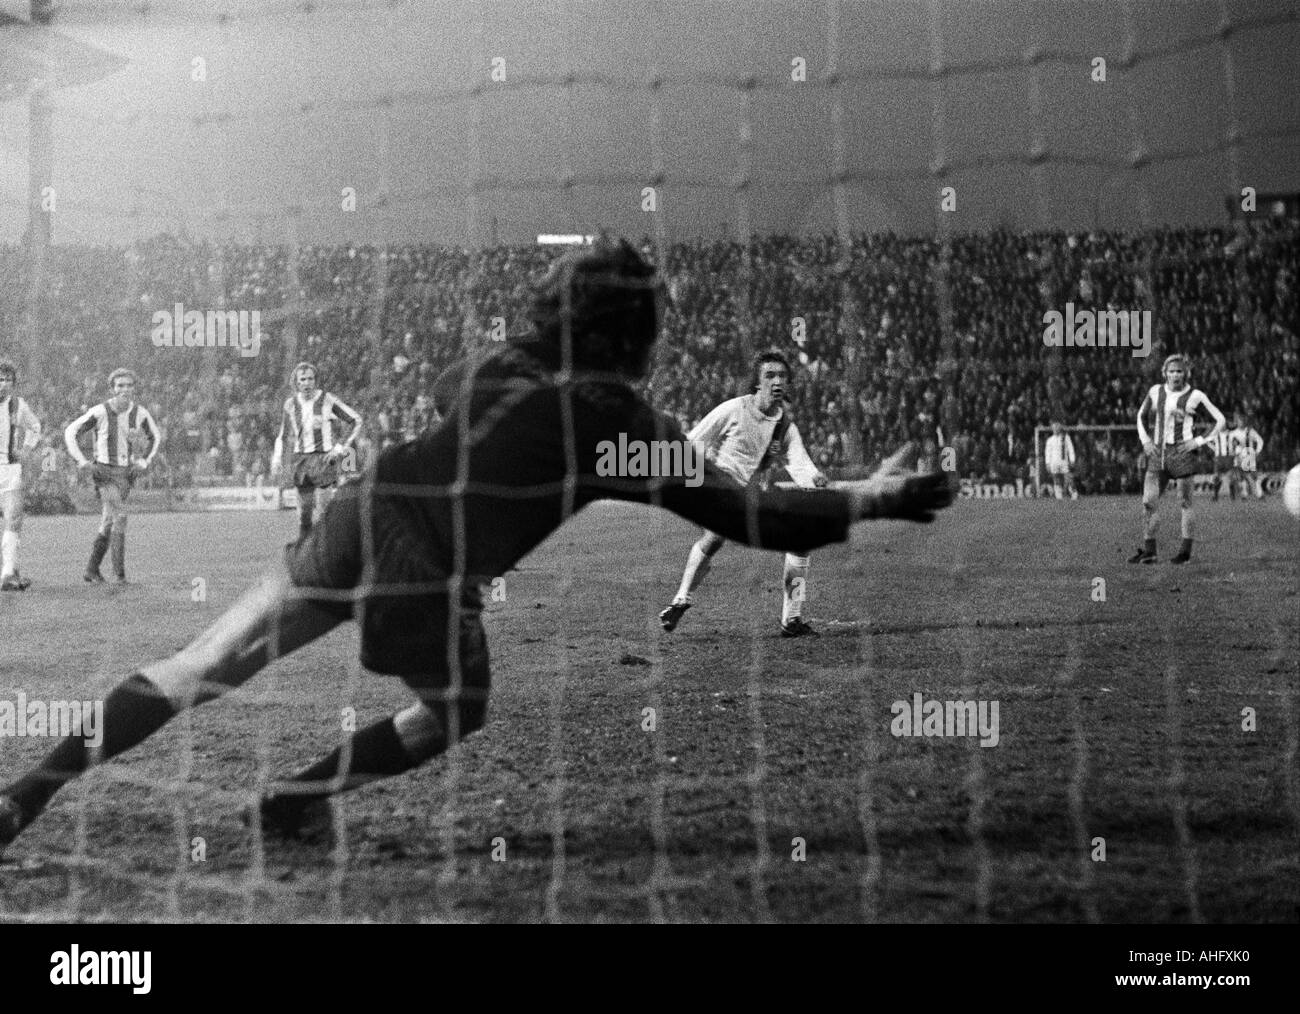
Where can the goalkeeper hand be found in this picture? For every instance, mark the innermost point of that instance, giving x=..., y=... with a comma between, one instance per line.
x=896, y=492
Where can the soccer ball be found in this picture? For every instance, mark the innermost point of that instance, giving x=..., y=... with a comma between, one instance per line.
x=1291, y=492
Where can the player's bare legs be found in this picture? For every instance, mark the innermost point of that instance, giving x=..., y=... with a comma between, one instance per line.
x=1150, y=518
x=11, y=503
x=698, y=564
x=1184, y=488
x=269, y=621
x=107, y=513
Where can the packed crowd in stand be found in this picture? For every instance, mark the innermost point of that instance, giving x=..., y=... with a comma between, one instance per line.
x=895, y=338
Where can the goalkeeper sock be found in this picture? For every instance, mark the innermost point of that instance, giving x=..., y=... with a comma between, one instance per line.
x=8, y=553
x=132, y=713
x=377, y=752
x=697, y=565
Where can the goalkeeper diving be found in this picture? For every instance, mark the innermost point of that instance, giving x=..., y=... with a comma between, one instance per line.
x=404, y=550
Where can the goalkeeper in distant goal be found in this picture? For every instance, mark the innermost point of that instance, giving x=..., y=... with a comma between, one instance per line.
x=748, y=438
x=1171, y=451
x=1060, y=457
x=405, y=550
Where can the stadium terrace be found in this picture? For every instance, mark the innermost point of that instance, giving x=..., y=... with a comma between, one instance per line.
x=1091, y=329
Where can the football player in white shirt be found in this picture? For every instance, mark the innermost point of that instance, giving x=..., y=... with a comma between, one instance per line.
x=748, y=438
x=20, y=431
x=1059, y=454
x=1170, y=449
x=126, y=440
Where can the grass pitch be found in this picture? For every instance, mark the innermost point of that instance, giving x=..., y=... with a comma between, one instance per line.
x=1120, y=720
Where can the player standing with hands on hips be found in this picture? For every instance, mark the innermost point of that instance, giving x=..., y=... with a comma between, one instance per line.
x=1171, y=450
x=405, y=550
x=308, y=421
x=126, y=440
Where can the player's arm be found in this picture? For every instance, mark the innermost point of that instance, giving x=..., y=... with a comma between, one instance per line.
x=74, y=429
x=30, y=425
x=1144, y=437
x=799, y=464
x=345, y=414
x=277, y=454
x=1255, y=440
x=1215, y=414
x=1069, y=450
x=707, y=433
x=153, y=433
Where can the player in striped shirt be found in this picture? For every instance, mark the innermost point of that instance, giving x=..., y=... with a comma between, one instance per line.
x=1170, y=447
x=19, y=432
x=308, y=424
x=1224, y=451
x=1247, y=445
x=748, y=438
x=126, y=438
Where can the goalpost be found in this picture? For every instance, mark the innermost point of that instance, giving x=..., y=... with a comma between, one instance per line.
x=1103, y=454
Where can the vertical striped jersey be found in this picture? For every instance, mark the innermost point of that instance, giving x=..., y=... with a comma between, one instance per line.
x=113, y=431
x=310, y=424
x=19, y=429
x=1173, y=413
x=1246, y=445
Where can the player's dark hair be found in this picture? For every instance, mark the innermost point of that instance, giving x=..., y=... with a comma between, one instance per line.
x=604, y=300
x=121, y=371
x=770, y=356
x=293, y=376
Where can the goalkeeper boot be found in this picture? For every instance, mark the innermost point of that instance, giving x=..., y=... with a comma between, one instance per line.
x=797, y=628
x=671, y=616
x=1184, y=552
x=1146, y=553
x=97, y=551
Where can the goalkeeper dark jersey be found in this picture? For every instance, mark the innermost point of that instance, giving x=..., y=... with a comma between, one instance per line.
x=516, y=456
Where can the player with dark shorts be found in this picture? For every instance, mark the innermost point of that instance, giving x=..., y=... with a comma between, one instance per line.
x=125, y=440
x=404, y=550
x=308, y=425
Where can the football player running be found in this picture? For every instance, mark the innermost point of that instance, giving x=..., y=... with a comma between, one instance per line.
x=749, y=438
x=404, y=550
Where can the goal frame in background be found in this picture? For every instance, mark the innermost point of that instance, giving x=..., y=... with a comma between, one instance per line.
x=1042, y=432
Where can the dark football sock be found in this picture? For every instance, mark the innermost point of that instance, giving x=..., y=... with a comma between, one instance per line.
x=377, y=752
x=117, y=542
x=97, y=552
x=132, y=712
x=1186, y=547
x=1149, y=545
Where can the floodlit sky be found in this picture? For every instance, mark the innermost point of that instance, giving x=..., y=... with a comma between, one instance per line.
x=296, y=106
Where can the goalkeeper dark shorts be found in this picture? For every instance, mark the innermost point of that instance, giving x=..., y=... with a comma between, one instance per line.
x=120, y=477
x=411, y=627
x=314, y=469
